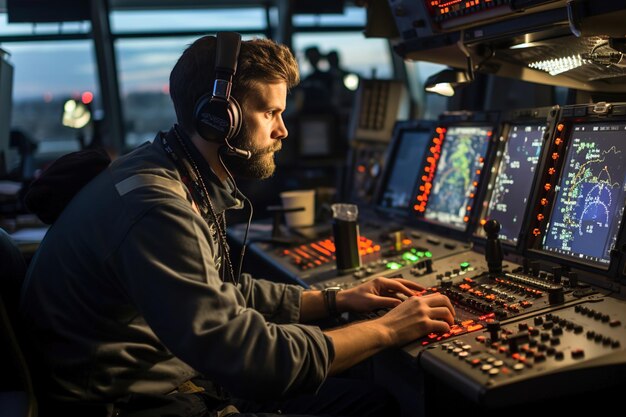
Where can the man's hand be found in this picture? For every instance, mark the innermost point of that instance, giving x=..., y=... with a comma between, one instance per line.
x=376, y=294
x=413, y=318
x=417, y=317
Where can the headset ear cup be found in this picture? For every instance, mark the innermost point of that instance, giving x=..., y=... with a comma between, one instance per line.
x=213, y=119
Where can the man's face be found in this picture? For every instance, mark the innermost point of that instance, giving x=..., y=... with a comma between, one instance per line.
x=262, y=131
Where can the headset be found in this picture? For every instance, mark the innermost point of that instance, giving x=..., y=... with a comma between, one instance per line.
x=217, y=115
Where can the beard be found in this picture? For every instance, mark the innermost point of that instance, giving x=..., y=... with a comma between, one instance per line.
x=260, y=165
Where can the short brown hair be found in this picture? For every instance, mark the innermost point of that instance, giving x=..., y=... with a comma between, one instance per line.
x=260, y=60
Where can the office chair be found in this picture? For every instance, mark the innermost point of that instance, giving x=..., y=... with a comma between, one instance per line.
x=17, y=397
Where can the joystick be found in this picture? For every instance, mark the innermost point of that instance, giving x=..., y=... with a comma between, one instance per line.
x=493, y=250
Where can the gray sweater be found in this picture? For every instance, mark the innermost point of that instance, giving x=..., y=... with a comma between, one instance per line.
x=124, y=296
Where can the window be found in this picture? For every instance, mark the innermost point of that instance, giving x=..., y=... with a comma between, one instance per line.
x=187, y=20
x=369, y=58
x=432, y=105
x=7, y=28
x=351, y=16
x=46, y=74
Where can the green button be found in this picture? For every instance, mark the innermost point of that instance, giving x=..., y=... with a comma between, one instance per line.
x=428, y=254
x=465, y=265
x=408, y=256
x=394, y=265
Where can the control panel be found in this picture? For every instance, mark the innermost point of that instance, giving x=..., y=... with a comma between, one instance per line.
x=382, y=249
x=563, y=351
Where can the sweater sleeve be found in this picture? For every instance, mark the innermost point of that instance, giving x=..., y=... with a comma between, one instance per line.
x=166, y=264
x=278, y=302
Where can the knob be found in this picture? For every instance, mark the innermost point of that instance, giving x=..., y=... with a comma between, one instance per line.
x=516, y=340
x=493, y=249
x=556, y=295
x=556, y=274
x=493, y=327
x=429, y=265
x=534, y=267
x=573, y=279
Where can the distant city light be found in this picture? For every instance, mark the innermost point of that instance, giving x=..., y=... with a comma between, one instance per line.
x=87, y=97
x=75, y=114
x=351, y=81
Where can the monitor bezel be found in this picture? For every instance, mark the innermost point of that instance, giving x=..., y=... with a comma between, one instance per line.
x=603, y=113
x=400, y=128
x=546, y=116
x=462, y=119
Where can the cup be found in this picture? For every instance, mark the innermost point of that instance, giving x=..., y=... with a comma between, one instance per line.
x=346, y=235
x=295, y=199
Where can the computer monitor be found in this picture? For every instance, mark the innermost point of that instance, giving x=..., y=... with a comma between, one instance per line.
x=590, y=196
x=510, y=187
x=458, y=171
x=403, y=167
x=6, y=101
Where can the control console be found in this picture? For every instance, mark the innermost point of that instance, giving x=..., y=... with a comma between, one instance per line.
x=566, y=350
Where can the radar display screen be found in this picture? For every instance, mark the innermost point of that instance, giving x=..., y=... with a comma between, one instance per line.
x=589, y=200
x=514, y=178
x=456, y=180
x=405, y=168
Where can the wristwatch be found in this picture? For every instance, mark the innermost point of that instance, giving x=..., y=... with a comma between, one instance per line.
x=330, y=300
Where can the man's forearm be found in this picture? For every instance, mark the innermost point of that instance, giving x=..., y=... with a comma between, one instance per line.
x=312, y=306
x=357, y=342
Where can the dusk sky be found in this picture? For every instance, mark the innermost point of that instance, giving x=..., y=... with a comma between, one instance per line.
x=68, y=67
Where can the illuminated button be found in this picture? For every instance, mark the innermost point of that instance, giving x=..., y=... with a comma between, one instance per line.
x=519, y=367
x=457, y=350
x=474, y=362
x=498, y=363
x=494, y=371
x=408, y=256
x=393, y=265
x=486, y=367
x=464, y=266
x=463, y=354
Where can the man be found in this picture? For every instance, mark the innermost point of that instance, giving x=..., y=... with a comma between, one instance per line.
x=135, y=302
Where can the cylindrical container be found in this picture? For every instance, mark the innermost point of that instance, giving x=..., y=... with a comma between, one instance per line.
x=346, y=235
